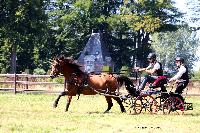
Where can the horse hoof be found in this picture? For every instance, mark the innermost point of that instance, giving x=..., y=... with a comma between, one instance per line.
x=54, y=105
x=124, y=111
x=106, y=112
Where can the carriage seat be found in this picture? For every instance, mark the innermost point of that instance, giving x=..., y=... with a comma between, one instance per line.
x=159, y=82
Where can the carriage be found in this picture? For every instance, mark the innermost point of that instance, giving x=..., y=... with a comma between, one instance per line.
x=108, y=84
x=155, y=101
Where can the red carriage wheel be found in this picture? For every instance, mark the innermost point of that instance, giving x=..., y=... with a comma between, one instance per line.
x=173, y=105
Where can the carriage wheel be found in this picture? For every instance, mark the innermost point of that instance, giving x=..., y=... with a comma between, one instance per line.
x=128, y=104
x=160, y=100
x=137, y=106
x=154, y=106
x=146, y=103
x=173, y=105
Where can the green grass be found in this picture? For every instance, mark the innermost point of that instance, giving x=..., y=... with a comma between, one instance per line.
x=28, y=113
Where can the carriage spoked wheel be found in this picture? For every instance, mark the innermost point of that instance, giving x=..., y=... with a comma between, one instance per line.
x=129, y=104
x=160, y=101
x=145, y=103
x=137, y=108
x=173, y=105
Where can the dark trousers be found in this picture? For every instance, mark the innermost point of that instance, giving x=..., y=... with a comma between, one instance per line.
x=180, y=87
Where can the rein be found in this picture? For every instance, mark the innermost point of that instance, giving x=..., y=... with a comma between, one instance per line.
x=106, y=92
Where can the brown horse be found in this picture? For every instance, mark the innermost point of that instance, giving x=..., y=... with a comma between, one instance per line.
x=79, y=82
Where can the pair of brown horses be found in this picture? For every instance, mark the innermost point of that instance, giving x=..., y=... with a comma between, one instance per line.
x=79, y=82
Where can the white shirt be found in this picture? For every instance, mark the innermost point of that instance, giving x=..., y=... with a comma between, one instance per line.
x=155, y=66
x=181, y=71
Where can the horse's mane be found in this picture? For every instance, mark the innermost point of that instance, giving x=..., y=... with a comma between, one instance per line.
x=72, y=63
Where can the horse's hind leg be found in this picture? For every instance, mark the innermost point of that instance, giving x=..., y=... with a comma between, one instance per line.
x=120, y=103
x=69, y=98
x=110, y=104
x=58, y=98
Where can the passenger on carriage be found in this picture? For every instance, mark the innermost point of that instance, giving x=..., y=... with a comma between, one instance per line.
x=182, y=77
x=154, y=74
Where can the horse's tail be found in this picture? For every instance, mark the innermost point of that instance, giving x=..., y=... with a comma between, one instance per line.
x=128, y=84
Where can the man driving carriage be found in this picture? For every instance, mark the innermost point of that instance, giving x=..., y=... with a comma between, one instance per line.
x=154, y=70
x=181, y=78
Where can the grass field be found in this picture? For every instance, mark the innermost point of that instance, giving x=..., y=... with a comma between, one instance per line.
x=28, y=113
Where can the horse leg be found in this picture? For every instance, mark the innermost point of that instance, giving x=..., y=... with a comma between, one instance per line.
x=69, y=98
x=110, y=104
x=120, y=103
x=58, y=98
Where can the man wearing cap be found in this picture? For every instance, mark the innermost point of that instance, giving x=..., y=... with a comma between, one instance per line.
x=181, y=78
x=153, y=70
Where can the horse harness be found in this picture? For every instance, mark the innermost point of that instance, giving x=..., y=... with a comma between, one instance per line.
x=81, y=81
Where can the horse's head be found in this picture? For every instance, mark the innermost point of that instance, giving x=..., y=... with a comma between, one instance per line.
x=65, y=66
x=55, y=68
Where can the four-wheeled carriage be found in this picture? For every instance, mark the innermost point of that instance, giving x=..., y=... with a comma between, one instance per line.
x=153, y=101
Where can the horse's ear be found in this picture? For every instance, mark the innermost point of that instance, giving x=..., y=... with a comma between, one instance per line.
x=61, y=58
x=70, y=59
x=54, y=58
x=57, y=60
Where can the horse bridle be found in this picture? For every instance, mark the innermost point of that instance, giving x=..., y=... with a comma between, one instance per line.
x=58, y=69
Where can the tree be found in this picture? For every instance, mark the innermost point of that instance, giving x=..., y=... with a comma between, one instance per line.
x=192, y=14
x=146, y=17
x=169, y=45
x=23, y=26
x=125, y=23
x=38, y=29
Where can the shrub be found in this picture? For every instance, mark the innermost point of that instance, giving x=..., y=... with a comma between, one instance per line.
x=196, y=75
x=39, y=71
x=125, y=71
x=107, y=69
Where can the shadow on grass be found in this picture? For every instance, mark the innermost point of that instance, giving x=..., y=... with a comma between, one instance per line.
x=97, y=112
x=192, y=114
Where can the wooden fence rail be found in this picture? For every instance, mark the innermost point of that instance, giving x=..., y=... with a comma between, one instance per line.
x=25, y=80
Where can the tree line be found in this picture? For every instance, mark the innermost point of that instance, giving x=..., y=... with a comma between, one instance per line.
x=35, y=31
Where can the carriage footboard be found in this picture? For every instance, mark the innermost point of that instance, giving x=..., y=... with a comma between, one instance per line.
x=188, y=106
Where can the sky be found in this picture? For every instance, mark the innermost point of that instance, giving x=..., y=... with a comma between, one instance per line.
x=181, y=5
